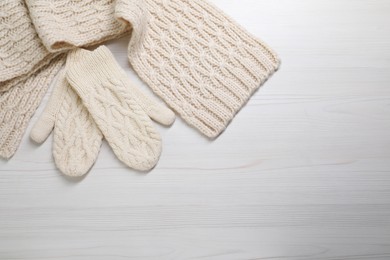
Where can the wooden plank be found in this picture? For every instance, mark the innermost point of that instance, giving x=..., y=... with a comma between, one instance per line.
x=303, y=172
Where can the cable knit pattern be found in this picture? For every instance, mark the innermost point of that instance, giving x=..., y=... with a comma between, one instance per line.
x=18, y=104
x=62, y=24
x=67, y=24
x=203, y=64
x=106, y=92
x=77, y=139
x=21, y=51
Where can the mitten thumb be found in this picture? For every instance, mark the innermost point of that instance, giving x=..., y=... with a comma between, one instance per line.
x=154, y=109
x=161, y=114
x=45, y=124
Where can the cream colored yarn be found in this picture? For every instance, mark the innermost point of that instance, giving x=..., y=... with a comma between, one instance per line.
x=25, y=73
x=18, y=104
x=62, y=25
x=202, y=63
x=77, y=139
x=65, y=24
x=120, y=110
x=21, y=50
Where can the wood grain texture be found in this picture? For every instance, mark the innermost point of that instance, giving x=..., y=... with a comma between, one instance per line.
x=302, y=173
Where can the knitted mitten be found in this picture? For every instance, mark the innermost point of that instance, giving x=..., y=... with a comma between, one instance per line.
x=77, y=139
x=196, y=58
x=121, y=111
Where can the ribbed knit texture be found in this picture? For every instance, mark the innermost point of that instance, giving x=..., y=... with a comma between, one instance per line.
x=18, y=104
x=120, y=111
x=77, y=139
x=202, y=63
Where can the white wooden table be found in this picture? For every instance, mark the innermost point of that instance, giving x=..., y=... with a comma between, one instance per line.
x=303, y=172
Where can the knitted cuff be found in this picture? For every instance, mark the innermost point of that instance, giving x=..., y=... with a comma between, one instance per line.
x=93, y=67
x=96, y=67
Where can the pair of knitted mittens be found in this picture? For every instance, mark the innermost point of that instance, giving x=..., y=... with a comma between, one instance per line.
x=94, y=98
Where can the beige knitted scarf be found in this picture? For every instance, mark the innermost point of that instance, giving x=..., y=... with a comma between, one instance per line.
x=196, y=58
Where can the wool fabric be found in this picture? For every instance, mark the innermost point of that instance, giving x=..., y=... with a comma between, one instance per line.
x=121, y=111
x=21, y=50
x=76, y=138
x=25, y=73
x=197, y=59
x=33, y=34
x=66, y=24
x=18, y=104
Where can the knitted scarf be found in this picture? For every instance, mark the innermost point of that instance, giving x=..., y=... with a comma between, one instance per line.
x=197, y=59
x=201, y=62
